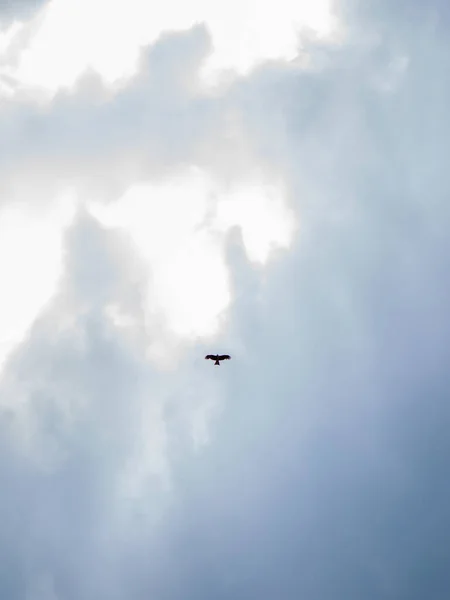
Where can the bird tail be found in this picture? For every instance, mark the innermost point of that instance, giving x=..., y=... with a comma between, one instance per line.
x=217, y=363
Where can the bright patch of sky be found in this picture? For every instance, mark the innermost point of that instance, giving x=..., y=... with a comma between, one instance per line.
x=67, y=37
x=31, y=264
x=179, y=228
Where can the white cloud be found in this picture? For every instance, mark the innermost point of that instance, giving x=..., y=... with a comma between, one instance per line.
x=179, y=228
x=31, y=264
x=260, y=211
x=71, y=37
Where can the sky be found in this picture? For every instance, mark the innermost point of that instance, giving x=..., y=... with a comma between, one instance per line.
x=270, y=183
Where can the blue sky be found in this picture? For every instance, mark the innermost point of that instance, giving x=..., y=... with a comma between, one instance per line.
x=290, y=209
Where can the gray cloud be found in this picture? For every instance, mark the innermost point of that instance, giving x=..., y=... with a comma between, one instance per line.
x=334, y=441
x=155, y=124
x=84, y=433
x=11, y=10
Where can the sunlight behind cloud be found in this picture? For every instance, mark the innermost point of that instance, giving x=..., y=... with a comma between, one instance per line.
x=247, y=32
x=189, y=281
x=179, y=228
x=260, y=212
x=107, y=37
x=31, y=261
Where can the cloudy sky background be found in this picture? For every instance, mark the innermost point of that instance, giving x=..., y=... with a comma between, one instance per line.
x=269, y=183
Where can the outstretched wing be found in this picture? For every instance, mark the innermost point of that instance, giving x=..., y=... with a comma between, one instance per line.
x=224, y=357
x=211, y=356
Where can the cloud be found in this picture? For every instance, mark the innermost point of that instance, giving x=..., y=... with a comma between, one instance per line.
x=85, y=429
x=242, y=36
x=337, y=452
x=313, y=464
x=28, y=239
x=11, y=10
x=134, y=147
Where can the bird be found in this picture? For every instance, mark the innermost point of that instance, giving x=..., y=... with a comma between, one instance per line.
x=218, y=357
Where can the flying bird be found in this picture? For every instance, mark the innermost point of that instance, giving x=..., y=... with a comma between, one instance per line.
x=218, y=357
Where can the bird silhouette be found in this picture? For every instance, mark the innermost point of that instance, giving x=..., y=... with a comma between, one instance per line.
x=218, y=357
